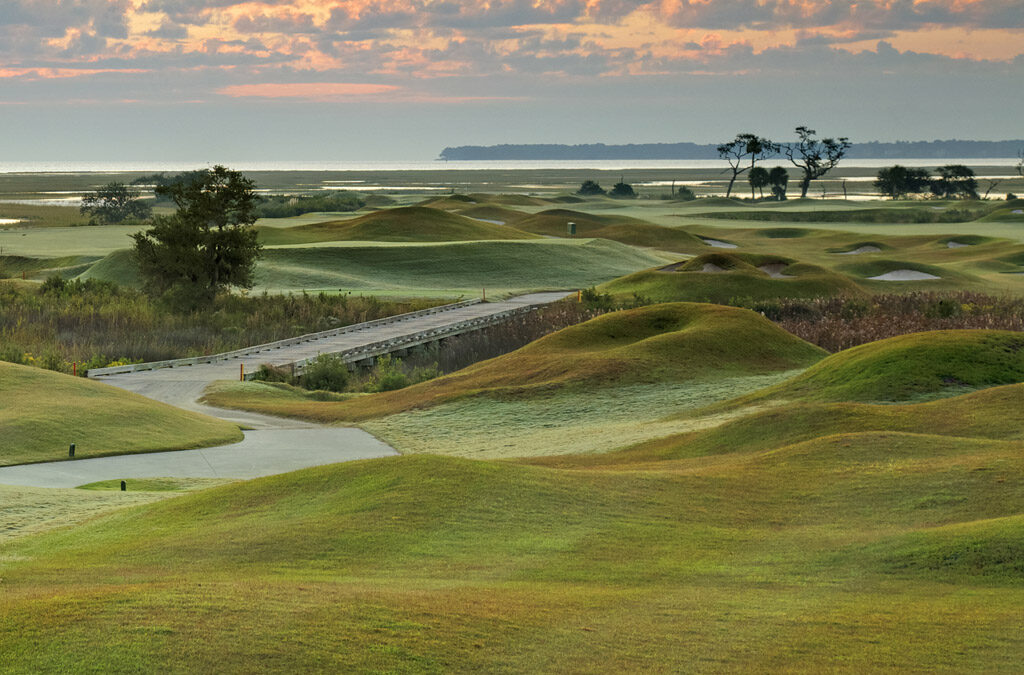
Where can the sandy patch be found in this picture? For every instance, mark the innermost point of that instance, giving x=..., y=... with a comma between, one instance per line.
x=9, y=221
x=774, y=270
x=719, y=244
x=1018, y=212
x=712, y=268
x=904, y=275
x=860, y=250
x=956, y=244
x=492, y=222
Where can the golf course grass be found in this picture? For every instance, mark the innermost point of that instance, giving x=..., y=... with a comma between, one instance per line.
x=44, y=412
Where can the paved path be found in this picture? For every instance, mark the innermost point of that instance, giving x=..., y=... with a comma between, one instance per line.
x=262, y=453
x=272, y=444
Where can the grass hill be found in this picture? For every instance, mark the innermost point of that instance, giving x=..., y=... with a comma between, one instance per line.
x=724, y=277
x=554, y=222
x=910, y=366
x=409, y=223
x=117, y=267
x=661, y=343
x=44, y=412
x=424, y=268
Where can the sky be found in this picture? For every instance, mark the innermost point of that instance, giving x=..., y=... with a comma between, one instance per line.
x=222, y=80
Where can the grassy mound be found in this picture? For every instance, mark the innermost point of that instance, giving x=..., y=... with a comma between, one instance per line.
x=554, y=222
x=44, y=412
x=727, y=277
x=992, y=549
x=410, y=223
x=661, y=343
x=994, y=414
x=463, y=266
x=117, y=267
x=910, y=366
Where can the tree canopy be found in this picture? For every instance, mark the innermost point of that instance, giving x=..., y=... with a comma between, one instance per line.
x=815, y=157
x=590, y=187
x=738, y=150
x=208, y=245
x=114, y=203
x=899, y=181
x=622, y=190
x=955, y=181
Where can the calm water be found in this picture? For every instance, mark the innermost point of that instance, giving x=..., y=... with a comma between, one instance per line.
x=57, y=166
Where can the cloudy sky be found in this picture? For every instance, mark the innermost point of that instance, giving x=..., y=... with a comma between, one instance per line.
x=221, y=80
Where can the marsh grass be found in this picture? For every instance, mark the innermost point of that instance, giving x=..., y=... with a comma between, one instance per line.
x=93, y=323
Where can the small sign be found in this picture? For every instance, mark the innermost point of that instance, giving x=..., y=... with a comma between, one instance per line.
x=572, y=229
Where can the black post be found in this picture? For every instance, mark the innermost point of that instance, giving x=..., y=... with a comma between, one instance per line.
x=71, y=450
x=124, y=485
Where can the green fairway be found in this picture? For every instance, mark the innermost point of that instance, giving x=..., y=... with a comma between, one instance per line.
x=426, y=268
x=42, y=413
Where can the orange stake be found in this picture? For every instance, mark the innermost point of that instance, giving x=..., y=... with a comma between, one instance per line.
x=241, y=372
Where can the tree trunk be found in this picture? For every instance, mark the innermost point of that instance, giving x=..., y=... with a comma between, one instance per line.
x=805, y=185
x=732, y=180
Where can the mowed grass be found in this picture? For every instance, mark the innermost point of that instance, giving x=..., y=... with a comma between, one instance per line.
x=670, y=343
x=838, y=555
x=409, y=223
x=425, y=268
x=725, y=278
x=913, y=366
x=42, y=413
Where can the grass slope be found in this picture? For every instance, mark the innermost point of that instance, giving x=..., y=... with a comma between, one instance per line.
x=661, y=343
x=911, y=366
x=410, y=223
x=815, y=557
x=43, y=412
x=741, y=278
x=424, y=267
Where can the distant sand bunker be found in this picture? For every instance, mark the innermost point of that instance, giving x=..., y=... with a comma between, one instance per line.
x=904, y=275
x=1018, y=212
x=719, y=244
x=862, y=249
x=492, y=222
x=774, y=270
x=712, y=268
x=956, y=244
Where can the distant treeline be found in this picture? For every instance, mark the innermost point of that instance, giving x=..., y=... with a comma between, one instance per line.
x=953, y=149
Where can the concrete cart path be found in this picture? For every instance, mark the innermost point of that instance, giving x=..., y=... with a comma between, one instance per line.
x=262, y=453
x=273, y=444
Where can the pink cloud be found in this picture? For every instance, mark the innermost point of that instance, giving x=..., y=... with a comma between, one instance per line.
x=309, y=90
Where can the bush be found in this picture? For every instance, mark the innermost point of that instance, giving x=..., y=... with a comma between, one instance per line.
x=387, y=375
x=327, y=372
x=590, y=187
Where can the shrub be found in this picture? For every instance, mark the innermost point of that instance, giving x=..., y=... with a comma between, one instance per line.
x=387, y=375
x=326, y=372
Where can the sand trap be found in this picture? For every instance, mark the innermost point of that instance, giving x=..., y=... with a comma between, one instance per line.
x=9, y=221
x=719, y=244
x=712, y=268
x=774, y=270
x=956, y=244
x=1018, y=212
x=492, y=222
x=862, y=249
x=904, y=275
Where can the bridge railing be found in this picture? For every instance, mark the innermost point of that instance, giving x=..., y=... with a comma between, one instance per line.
x=288, y=342
x=382, y=347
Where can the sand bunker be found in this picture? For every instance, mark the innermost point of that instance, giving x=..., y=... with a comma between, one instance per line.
x=1018, y=212
x=862, y=249
x=712, y=268
x=492, y=222
x=904, y=275
x=956, y=244
x=719, y=244
x=774, y=270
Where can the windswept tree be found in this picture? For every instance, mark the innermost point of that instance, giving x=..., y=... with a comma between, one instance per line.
x=589, y=188
x=622, y=190
x=114, y=203
x=815, y=157
x=778, y=178
x=899, y=181
x=741, y=149
x=208, y=245
x=759, y=179
x=955, y=181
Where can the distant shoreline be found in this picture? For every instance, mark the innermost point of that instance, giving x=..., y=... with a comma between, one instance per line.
x=924, y=150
